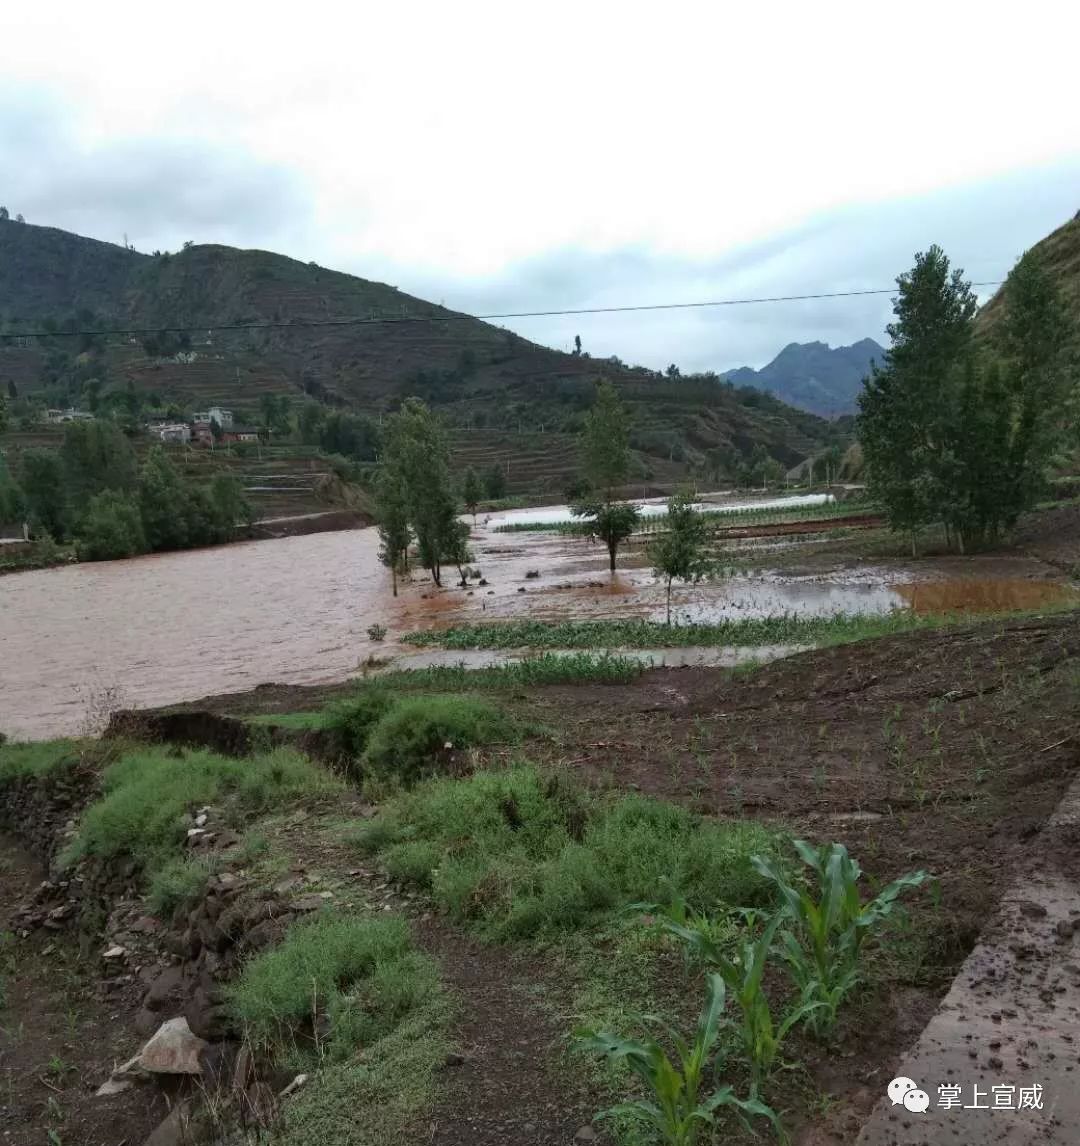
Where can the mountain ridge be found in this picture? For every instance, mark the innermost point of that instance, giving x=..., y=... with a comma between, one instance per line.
x=490, y=384
x=814, y=376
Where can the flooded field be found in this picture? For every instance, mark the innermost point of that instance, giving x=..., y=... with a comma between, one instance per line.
x=79, y=640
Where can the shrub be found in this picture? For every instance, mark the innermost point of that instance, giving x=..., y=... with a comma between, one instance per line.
x=522, y=853
x=334, y=983
x=111, y=528
x=376, y=632
x=35, y=758
x=409, y=737
x=179, y=883
x=351, y=721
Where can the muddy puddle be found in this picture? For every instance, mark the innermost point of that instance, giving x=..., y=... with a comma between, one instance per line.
x=78, y=641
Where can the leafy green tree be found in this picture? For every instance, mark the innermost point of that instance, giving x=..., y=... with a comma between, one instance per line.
x=471, y=491
x=605, y=447
x=309, y=422
x=4, y=214
x=906, y=404
x=111, y=527
x=163, y=503
x=417, y=460
x=392, y=515
x=610, y=521
x=831, y=460
x=680, y=552
x=96, y=456
x=41, y=477
x=12, y=502
x=495, y=482
x=3, y=414
x=605, y=442
x=231, y=509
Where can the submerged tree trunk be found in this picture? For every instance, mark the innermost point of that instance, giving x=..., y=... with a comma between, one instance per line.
x=393, y=575
x=612, y=550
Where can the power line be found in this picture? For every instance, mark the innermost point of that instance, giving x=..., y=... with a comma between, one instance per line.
x=457, y=317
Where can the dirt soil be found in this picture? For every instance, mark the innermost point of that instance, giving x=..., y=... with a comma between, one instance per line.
x=60, y=1035
x=938, y=750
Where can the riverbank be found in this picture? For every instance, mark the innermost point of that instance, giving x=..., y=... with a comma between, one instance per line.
x=944, y=751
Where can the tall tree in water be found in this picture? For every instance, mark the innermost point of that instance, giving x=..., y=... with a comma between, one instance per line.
x=416, y=461
x=392, y=512
x=605, y=448
x=906, y=405
x=471, y=491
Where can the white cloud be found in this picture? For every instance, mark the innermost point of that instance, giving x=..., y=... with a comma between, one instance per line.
x=469, y=146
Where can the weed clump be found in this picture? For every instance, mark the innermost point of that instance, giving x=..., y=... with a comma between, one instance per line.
x=521, y=853
x=415, y=731
x=35, y=758
x=146, y=795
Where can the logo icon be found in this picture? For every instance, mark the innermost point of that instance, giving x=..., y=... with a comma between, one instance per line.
x=905, y=1092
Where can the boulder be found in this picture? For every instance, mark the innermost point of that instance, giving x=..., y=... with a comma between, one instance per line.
x=173, y=1049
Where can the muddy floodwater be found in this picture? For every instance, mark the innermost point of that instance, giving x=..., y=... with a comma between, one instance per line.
x=78, y=641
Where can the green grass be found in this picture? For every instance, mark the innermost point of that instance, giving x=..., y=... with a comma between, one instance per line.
x=179, y=882
x=294, y=720
x=36, y=758
x=748, y=632
x=353, y=998
x=521, y=853
x=147, y=793
x=414, y=731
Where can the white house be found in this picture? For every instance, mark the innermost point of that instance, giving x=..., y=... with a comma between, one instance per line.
x=224, y=418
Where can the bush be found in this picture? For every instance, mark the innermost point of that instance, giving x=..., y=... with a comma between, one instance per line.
x=361, y=976
x=522, y=853
x=35, y=758
x=409, y=737
x=179, y=883
x=147, y=794
x=351, y=721
x=110, y=528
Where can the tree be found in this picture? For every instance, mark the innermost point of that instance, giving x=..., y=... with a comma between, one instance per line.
x=163, y=503
x=605, y=442
x=680, y=550
x=495, y=482
x=577, y=345
x=611, y=521
x=392, y=515
x=96, y=456
x=12, y=502
x=471, y=491
x=110, y=528
x=12, y=389
x=231, y=508
x=906, y=404
x=3, y=414
x=417, y=460
x=309, y=422
x=4, y=215
x=831, y=460
x=41, y=476
x=20, y=218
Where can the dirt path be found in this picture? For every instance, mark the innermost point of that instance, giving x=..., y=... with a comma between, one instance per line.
x=509, y=1088
x=59, y=1037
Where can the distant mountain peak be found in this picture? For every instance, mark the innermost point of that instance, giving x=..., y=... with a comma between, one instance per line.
x=814, y=376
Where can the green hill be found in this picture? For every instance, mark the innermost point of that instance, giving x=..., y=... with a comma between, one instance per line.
x=505, y=398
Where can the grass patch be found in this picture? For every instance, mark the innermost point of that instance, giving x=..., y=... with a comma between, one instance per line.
x=295, y=720
x=147, y=793
x=179, y=882
x=788, y=628
x=414, y=731
x=520, y=853
x=352, y=997
x=36, y=758
x=541, y=669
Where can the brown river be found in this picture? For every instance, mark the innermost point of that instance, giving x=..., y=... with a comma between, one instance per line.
x=80, y=640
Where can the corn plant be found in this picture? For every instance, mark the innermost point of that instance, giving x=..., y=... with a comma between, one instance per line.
x=676, y=1110
x=759, y=1033
x=823, y=945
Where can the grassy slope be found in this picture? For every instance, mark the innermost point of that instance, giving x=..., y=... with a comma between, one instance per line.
x=506, y=390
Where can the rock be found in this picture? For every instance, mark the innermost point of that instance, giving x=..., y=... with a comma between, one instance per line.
x=174, y=1049
x=243, y=1069
x=307, y=903
x=200, y=820
x=165, y=989
x=114, y=952
x=586, y=1134
x=175, y=1129
x=113, y=1086
x=294, y=1085
x=194, y=833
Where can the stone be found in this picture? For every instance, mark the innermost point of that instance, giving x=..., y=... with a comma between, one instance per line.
x=307, y=903
x=200, y=820
x=113, y=1086
x=166, y=988
x=175, y=1128
x=586, y=1134
x=114, y=952
x=294, y=1085
x=173, y=1049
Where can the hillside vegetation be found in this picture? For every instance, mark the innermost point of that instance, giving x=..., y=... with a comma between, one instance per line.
x=497, y=391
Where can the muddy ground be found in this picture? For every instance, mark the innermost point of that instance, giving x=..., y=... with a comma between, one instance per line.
x=944, y=750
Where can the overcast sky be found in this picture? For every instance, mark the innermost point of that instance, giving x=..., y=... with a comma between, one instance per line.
x=505, y=157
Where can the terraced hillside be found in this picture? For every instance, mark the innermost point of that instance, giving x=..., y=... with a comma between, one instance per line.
x=480, y=377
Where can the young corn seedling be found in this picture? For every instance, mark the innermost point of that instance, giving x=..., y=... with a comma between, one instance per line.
x=675, y=1108
x=824, y=942
x=759, y=1033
